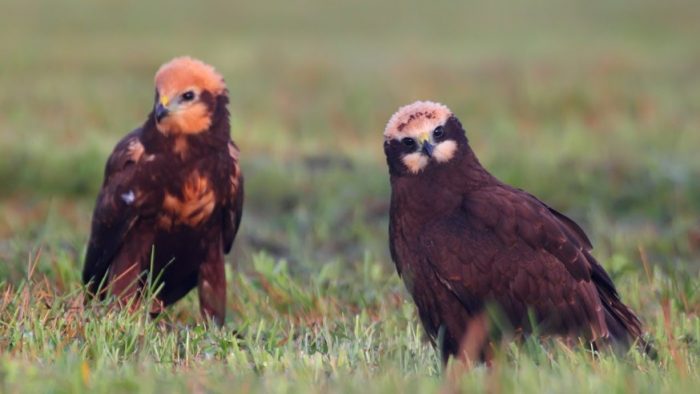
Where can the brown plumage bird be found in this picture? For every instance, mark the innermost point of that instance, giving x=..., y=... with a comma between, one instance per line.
x=462, y=240
x=172, y=196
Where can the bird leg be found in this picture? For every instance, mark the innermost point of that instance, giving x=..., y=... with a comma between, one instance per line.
x=212, y=285
x=474, y=345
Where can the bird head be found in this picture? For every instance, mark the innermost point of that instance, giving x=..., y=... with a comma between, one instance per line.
x=186, y=96
x=419, y=134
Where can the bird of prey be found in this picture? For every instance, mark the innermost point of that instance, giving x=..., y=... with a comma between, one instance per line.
x=172, y=196
x=463, y=241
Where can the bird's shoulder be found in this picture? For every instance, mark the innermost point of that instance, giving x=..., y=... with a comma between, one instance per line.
x=500, y=217
x=506, y=245
x=130, y=186
x=127, y=152
x=516, y=213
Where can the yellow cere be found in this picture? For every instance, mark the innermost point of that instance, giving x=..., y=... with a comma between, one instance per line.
x=164, y=100
x=423, y=138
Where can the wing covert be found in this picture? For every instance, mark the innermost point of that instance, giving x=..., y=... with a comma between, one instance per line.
x=116, y=208
x=515, y=252
x=233, y=206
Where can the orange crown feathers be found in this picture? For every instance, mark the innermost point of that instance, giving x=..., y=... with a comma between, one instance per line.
x=185, y=72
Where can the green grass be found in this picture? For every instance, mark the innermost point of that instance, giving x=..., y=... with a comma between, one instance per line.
x=591, y=106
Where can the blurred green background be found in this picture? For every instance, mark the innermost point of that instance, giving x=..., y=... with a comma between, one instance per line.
x=592, y=106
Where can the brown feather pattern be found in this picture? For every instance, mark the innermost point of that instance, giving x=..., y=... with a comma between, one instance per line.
x=173, y=202
x=462, y=240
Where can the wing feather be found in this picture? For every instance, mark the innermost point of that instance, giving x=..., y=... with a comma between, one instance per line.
x=115, y=210
x=536, y=260
x=233, y=206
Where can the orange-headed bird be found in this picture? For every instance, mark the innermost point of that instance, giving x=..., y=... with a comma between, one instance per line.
x=172, y=196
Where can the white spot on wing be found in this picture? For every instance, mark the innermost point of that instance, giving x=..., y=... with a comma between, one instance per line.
x=128, y=197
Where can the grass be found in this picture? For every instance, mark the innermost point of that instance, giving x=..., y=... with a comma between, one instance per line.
x=592, y=107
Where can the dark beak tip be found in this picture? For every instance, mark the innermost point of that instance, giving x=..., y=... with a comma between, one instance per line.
x=160, y=112
x=428, y=149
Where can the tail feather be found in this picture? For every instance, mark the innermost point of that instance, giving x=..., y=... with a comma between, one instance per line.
x=623, y=324
x=624, y=327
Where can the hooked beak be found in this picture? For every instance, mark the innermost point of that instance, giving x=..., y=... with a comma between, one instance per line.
x=428, y=148
x=161, y=110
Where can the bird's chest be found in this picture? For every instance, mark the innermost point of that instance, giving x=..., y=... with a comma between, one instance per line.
x=189, y=199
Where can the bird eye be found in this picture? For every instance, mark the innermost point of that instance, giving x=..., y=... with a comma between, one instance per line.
x=438, y=132
x=408, y=141
x=188, y=96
